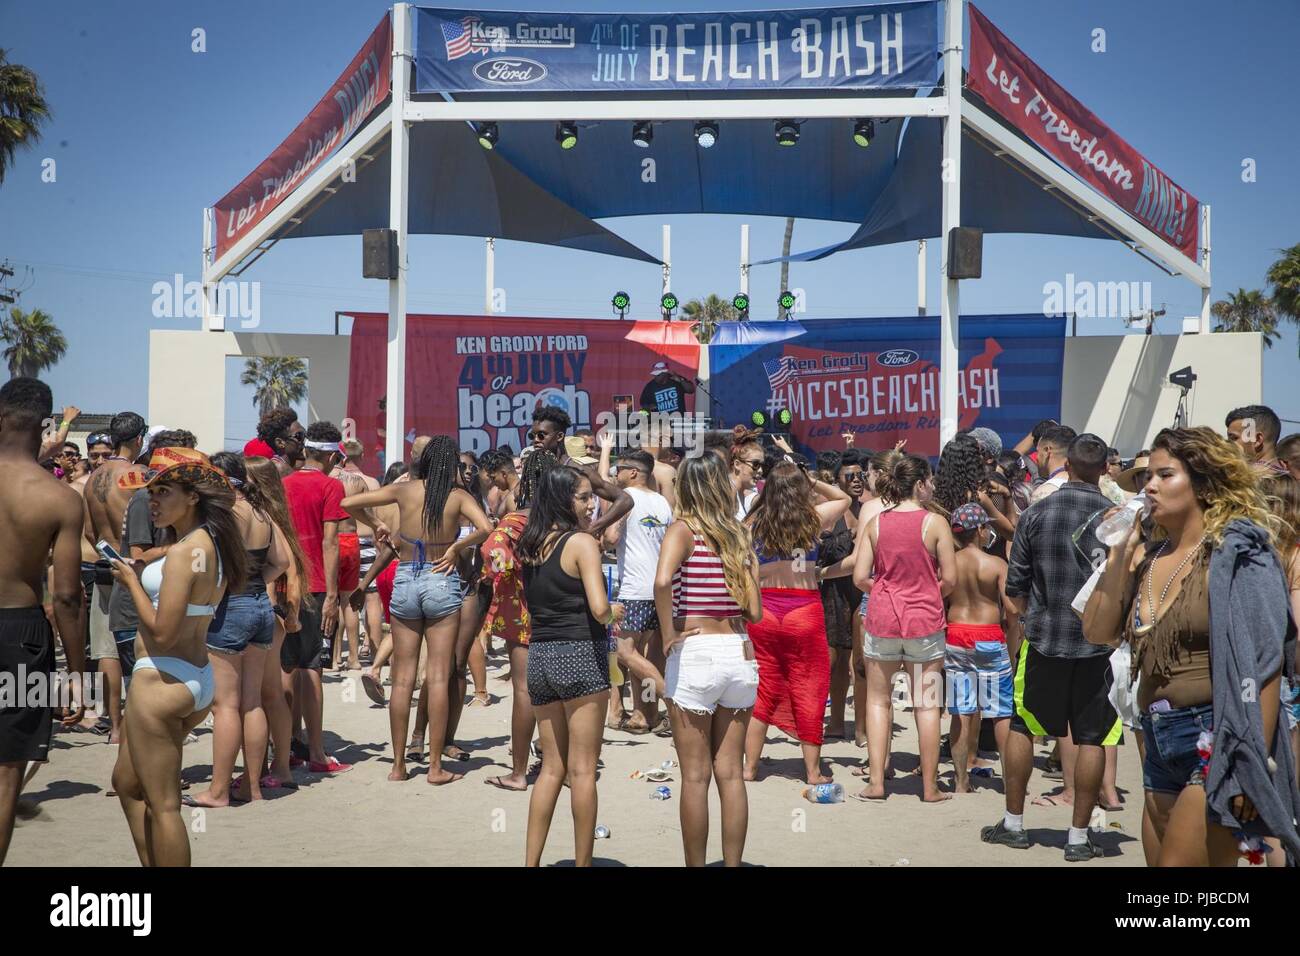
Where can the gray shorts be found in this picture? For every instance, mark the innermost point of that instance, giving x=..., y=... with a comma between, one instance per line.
x=421, y=595
x=916, y=650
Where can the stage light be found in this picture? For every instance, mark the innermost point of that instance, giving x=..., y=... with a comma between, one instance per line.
x=864, y=131
x=621, y=301
x=787, y=132
x=668, y=305
x=785, y=301
x=566, y=134
x=784, y=418
x=488, y=135
x=706, y=133
x=740, y=302
x=758, y=419
x=642, y=134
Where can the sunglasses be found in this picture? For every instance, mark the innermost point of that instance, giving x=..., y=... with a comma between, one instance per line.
x=755, y=463
x=533, y=436
x=618, y=468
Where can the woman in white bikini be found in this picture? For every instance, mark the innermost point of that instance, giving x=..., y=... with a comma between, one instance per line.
x=171, y=685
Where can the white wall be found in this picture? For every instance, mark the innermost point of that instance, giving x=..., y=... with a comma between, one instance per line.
x=187, y=376
x=1117, y=386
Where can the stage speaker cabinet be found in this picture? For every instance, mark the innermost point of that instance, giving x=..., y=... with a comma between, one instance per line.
x=379, y=254
x=965, y=253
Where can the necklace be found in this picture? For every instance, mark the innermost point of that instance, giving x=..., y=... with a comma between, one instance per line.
x=1138, y=627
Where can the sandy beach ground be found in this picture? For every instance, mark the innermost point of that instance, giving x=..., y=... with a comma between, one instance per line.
x=360, y=818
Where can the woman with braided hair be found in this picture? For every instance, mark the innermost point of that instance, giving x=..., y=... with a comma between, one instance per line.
x=426, y=589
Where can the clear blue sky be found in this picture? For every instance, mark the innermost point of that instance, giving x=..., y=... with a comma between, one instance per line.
x=146, y=133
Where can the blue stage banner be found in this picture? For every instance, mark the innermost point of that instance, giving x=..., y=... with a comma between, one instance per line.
x=879, y=378
x=875, y=46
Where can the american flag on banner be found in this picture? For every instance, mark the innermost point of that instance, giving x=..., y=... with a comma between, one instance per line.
x=779, y=371
x=458, y=36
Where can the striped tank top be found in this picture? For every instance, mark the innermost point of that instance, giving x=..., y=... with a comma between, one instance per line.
x=699, y=586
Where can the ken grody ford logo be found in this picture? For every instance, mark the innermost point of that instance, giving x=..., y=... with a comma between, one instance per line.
x=510, y=71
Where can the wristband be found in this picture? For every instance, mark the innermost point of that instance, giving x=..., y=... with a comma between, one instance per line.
x=65, y=424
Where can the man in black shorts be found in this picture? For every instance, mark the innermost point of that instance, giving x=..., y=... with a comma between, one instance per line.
x=1062, y=681
x=38, y=513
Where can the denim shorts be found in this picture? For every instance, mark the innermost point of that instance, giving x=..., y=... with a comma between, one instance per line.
x=1172, y=761
x=243, y=619
x=915, y=650
x=1290, y=695
x=708, y=671
x=421, y=595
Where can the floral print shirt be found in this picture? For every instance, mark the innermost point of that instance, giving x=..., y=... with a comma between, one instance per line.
x=507, y=615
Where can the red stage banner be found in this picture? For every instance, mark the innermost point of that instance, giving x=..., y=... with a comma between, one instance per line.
x=363, y=86
x=1013, y=85
x=479, y=379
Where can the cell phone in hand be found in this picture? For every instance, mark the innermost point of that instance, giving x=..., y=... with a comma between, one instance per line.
x=108, y=552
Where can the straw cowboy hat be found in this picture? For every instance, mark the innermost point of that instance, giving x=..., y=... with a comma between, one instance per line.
x=1132, y=479
x=175, y=464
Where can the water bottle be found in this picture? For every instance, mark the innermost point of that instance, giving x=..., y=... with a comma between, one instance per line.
x=1115, y=529
x=824, y=793
x=661, y=793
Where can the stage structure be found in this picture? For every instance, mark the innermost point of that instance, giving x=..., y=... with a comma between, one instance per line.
x=533, y=126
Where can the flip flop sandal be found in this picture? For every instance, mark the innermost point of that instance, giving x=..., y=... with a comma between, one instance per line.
x=462, y=756
x=101, y=727
x=496, y=782
x=984, y=773
x=272, y=782
x=663, y=728
x=331, y=765
x=415, y=756
x=373, y=690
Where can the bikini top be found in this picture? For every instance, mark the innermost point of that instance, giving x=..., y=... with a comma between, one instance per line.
x=769, y=558
x=151, y=579
x=421, y=548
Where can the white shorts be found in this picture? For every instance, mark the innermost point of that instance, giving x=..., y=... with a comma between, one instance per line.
x=708, y=671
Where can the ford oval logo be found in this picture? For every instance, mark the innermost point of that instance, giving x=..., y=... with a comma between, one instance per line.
x=897, y=358
x=510, y=71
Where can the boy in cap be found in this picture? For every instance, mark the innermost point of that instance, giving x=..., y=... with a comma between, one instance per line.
x=976, y=662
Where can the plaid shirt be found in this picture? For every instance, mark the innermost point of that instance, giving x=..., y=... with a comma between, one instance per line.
x=1050, y=568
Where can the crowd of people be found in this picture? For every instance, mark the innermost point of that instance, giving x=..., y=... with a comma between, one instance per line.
x=703, y=597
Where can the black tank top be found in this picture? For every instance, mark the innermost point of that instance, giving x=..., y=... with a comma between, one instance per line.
x=557, y=603
x=256, y=562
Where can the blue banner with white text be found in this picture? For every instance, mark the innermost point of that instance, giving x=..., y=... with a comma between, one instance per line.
x=874, y=46
x=878, y=379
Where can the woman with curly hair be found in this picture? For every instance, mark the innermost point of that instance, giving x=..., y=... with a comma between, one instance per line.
x=790, y=639
x=963, y=477
x=1205, y=606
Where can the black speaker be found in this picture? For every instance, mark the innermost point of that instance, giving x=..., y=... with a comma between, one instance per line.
x=965, y=253
x=379, y=254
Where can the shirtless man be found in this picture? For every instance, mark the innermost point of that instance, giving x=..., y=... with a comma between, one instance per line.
x=977, y=663
x=549, y=425
x=40, y=515
x=105, y=511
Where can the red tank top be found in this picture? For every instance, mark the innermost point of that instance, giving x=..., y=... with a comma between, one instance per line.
x=905, y=600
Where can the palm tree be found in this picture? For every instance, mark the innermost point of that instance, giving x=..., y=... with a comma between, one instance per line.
x=785, y=251
x=1284, y=277
x=34, y=342
x=278, y=381
x=1244, y=311
x=707, y=314
x=22, y=110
